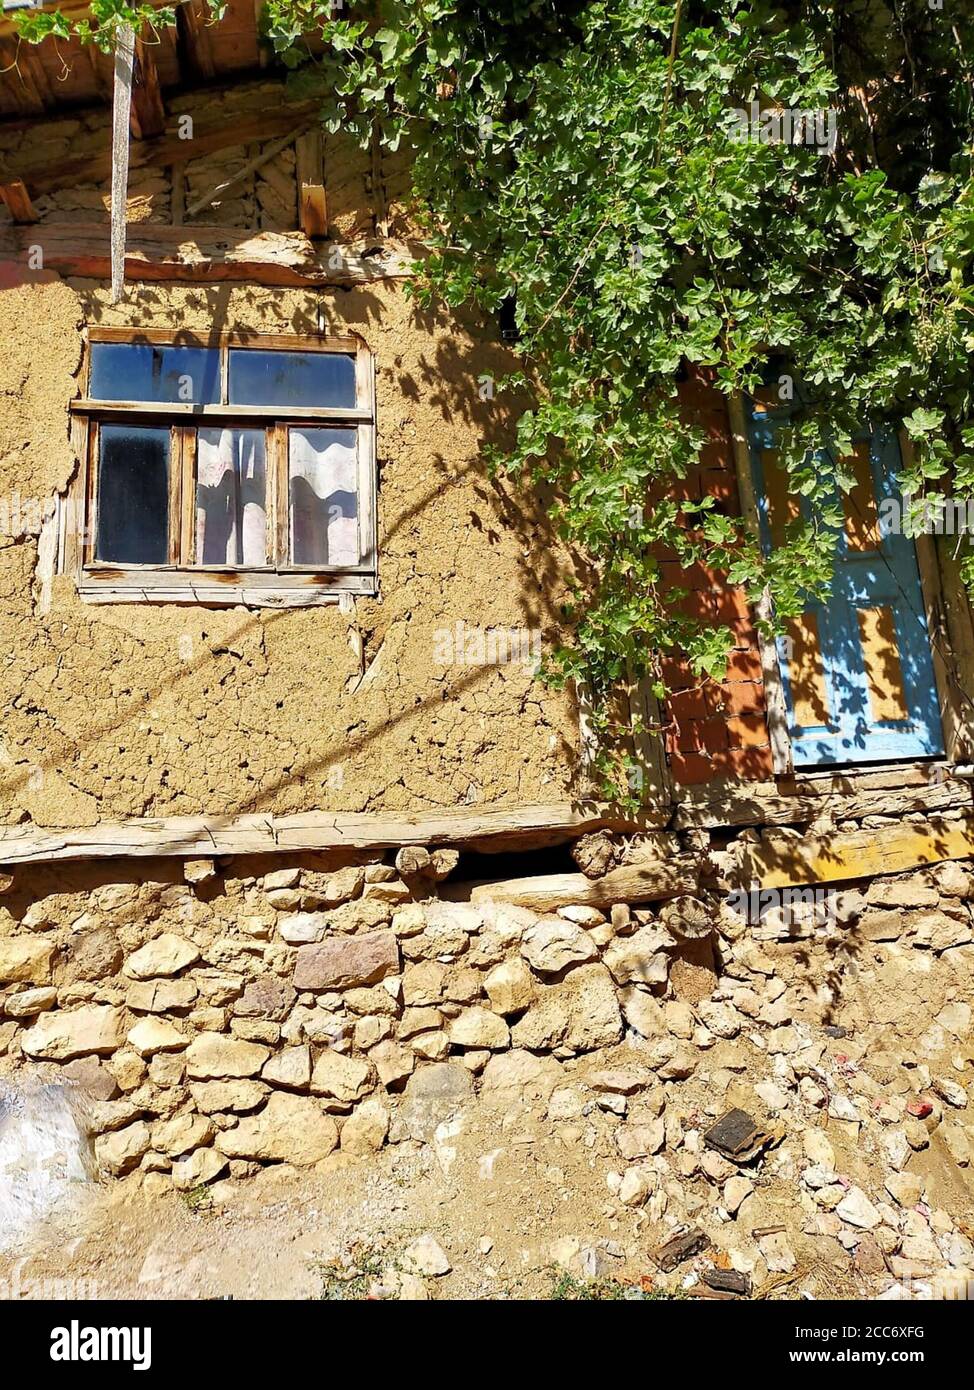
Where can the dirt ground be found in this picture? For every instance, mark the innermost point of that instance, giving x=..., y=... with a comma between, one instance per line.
x=521, y=1199
x=289, y=1235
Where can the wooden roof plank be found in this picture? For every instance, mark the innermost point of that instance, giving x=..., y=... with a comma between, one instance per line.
x=194, y=42
x=148, y=117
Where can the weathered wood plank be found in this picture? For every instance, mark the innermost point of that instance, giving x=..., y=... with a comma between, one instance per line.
x=193, y=43
x=158, y=252
x=844, y=798
x=148, y=115
x=786, y=862
x=26, y=76
x=487, y=829
x=644, y=882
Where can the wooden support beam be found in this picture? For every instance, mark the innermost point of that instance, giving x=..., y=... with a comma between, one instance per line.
x=788, y=862
x=18, y=202
x=380, y=209
x=148, y=112
x=157, y=252
x=643, y=882
x=263, y=47
x=193, y=43
x=266, y=155
x=121, y=113
x=178, y=194
x=162, y=152
x=312, y=200
x=189, y=837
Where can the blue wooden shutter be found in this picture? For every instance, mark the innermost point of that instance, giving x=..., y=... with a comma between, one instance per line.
x=857, y=670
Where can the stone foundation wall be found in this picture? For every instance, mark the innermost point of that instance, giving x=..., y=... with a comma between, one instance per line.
x=217, y=1017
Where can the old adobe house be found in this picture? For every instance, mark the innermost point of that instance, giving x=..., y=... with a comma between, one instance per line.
x=262, y=725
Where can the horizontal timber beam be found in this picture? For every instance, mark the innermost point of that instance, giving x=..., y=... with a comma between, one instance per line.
x=157, y=252
x=790, y=801
x=192, y=837
x=642, y=882
x=829, y=858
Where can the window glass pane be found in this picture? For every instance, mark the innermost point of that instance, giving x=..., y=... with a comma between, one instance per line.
x=133, y=495
x=322, y=470
x=231, y=498
x=291, y=378
x=142, y=372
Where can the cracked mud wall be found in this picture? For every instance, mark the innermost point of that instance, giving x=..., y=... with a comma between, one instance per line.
x=152, y=710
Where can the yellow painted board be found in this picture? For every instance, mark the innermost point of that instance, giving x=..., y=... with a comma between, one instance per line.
x=857, y=854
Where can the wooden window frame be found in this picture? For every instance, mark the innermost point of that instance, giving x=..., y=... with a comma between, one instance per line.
x=279, y=583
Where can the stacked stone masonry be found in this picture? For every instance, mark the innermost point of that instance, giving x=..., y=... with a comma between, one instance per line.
x=215, y=1018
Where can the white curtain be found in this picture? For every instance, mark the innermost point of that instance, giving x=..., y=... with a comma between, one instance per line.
x=323, y=496
x=231, y=498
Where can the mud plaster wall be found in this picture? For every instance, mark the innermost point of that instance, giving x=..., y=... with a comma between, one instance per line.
x=132, y=710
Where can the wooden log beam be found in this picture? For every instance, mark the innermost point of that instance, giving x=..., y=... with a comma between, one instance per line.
x=148, y=117
x=18, y=202
x=644, y=882
x=379, y=207
x=158, y=252
x=121, y=114
x=483, y=829
x=786, y=862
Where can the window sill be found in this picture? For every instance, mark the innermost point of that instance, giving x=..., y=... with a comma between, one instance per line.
x=213, y=592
